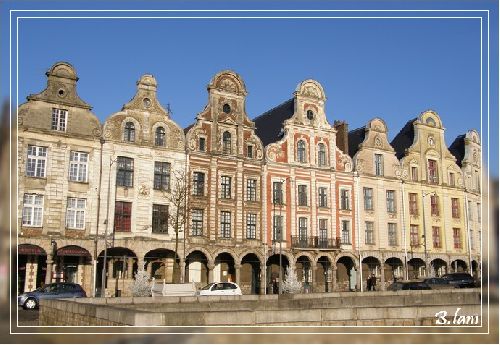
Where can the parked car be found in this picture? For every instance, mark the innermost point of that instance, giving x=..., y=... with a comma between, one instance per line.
x=462, y=280
x=439, y=283
x=408, y=285
x=220, y=289
x=31, y=300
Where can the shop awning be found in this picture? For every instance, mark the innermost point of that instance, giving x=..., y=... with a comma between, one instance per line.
x=30, y=249
x=73, y=251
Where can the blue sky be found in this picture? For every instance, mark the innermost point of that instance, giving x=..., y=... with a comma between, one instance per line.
x=390, y=68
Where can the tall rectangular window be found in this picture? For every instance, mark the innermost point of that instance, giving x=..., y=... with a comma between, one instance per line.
x=322, y=197
x=432, y=171
x=162, y=176
x=225, y=187
x=323, y=233
x=436, y=237
x=414, y=173
x=75, y=213
x=37, y=160
x=225, y=224
x=302, y=195
x=160, y=219
x=302, y=229
x=344, y=199
x=369, y=235
x=434, y=205
x=414, y=238
x=368, y=198
x=198, y=183
x=278, y=193
x=379, y=165
x=455, y=208
x=457, y=238
x=201, y=144
x=250, y=151
x=125, y=172
x=32, y=210
x=123, y=215
x=277, y=227
x=196, y=222
x=251, y=189
x=392, y=234
x=346, y=232
x=413, y=204
x=59, y=119
x=391, y=201
x=251, y=225
x=78, y=166
x=452, y=179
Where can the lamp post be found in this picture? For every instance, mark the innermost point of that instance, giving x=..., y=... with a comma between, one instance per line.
x=424, y=236
x=104, y=264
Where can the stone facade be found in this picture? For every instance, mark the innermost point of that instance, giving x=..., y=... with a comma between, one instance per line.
x=223, y=198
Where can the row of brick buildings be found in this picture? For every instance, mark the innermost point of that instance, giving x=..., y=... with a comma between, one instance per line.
x=221, y=199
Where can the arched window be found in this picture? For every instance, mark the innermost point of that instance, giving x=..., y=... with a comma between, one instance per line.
x=321, y=155
x=226, y=142
x=129, y=133
x=160, y=136
x=301, y=151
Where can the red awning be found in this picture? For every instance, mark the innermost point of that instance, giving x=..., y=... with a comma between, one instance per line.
x=72, y=251
x=30, y=249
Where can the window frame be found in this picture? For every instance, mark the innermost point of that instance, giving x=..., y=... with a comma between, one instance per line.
x=225, y=187
x=435, y=205
x=436, y=237
x=322, y=161
x=198, y=183
x=391, y=201
x=125, y=171
x=56, y=115
x=345, y=199
x=368, y=198
x=432, y=171
x=301, y=151
x=129, y=132
x=36, y=163
x=457, y=238
x=345, y=232
x=73, y=213
x=413, y=204
x=160, y=136
x=302, y=195
x=197, y=222
x=322, y=197
x=76, y=165
x=455, y=208
x=225, y=224
x=369, y=233
x=30, y=207
x=251, y=226
x=226, y=143
x=379, y=164
x=251, y=194
x=159, y=219
x=162, y=174
x=123, y=217
x=392, y=234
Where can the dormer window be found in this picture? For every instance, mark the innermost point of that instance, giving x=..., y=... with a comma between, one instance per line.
x=129, y=132
x=250, y=151
x=310, y=115
x=59, y=119
x=226, y=108
x=160, y=136
x=430, y=121
x=201, y=144
x=301, y=151
x=379, y=165
x=321, y=155
x=226, y=142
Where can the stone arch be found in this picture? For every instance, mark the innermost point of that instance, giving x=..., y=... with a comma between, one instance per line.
x=347, y=271
x=225, y=266
x=416, y=268
x=394, y=268
x=121, y=266
x=197, y=267
x=438, y=267
x=31, y=259
x=207, y=254
x=244, y=253
x=322, y=273
x=309, y=255
x=160, y=264
x=348, y=254
x=250, y=274
x=459, y=265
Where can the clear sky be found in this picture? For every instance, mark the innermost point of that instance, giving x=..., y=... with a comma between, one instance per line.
x=390, y=68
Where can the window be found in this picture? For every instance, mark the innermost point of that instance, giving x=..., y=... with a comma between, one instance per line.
x=162, y=176
x=369, y=236
x=226, y=108
x=251, y=225
x=368, y=197
x=125, y=172
x=321, y=155
x=346, y=232
x=303, y=229
x=198, y=183
x=310, y=115
x=457, y=238
x=455, y=211
x=432, y=171
x=322, y=197
x=414, y=174
x=414, y=238
x=379, y=165
x=226, y=142
x=59, y=119
x=301, y=151
x=277, y=228
x=436, y=237
x=75, y=213
x=434, y=205
x=225, y=187
x=278, y=193
x=129, y=132
x=78, y=166
x=344, y=199
x=452, y=179
x=37, y=160
x=478, y=212
x=413, y=204
x=323, y=233
x=391, y=201
x=123, y=214
x=469, y=210
x=250, y=151
x=302, y=194
x=160, y=219
x=251, y=190
x=225, y=224
x=196, y=222
x=201, y=144
x=32, y=210
x=392, y=234
x=471, y=239
x=160, y=136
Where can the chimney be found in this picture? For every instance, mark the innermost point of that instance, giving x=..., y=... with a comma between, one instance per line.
x=342, y=132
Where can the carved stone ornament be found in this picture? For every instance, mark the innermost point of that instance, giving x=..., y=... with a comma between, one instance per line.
x=360, y=165
x=143, y=190
x=228, y=86
x=460, y=182
x=397, y=170
x=96, y=132
x=431, y=141
x=274, y=152
x=311, y=92
x=475, y=157
x=108, y=132
x=346, y=162
x=378, y=142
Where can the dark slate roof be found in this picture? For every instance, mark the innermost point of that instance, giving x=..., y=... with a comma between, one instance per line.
x=269, y=125
x=404, y=139
x=356, y=137
x=457, y=148
x=186, y=130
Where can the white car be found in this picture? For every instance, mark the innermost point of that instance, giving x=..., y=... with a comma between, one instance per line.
x=220, y=289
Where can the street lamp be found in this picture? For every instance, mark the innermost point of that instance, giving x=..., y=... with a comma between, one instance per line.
x=424, y=236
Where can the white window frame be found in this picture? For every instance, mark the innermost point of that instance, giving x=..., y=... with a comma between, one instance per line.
x=369, y=233
x=251, y=226
x=30, y=217
x=57, y=124
x=349, y=198
x=38, y=157
x=349, y=237
x=197, y=217
x=75, y=213
x=76, y=165
x=225, y=224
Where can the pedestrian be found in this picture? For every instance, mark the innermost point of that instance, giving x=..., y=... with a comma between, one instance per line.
x=369, y=283
x=374, y=282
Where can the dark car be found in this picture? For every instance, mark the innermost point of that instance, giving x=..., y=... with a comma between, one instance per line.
x=462, y=280
x=439, y=283
x=31, y=300
x=408, y=285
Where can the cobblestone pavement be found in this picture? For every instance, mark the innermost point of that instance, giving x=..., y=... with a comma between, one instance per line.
x=28, y=317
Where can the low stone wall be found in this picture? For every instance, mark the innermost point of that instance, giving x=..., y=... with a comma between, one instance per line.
x=403, y=308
